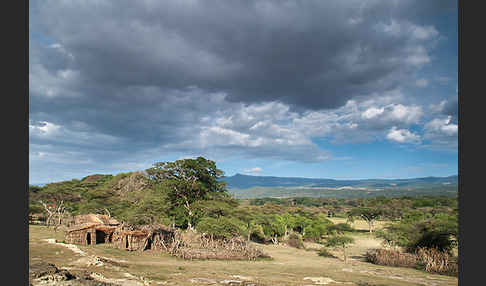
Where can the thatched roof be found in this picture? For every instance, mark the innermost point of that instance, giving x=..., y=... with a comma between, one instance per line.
x=105, y=228
x=82, y=226
x=144, y=230
x=96, y=226
x=95, y=218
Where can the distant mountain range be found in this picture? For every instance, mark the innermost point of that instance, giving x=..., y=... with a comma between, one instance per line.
x=245, y=186
x=240, y=181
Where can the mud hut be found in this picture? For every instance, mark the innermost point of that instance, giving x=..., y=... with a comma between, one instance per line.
x=91, y=229
x=154, y=237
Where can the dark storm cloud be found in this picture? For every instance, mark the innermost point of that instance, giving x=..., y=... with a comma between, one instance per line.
x=125, y=83
x=309, y=54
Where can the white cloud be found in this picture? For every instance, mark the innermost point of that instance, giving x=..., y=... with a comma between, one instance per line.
x=255, y=170
x=372, y=112
x=406, y=114
x=402, y=136
x=438, y=127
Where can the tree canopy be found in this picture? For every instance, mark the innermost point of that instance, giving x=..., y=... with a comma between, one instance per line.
x=188, y=181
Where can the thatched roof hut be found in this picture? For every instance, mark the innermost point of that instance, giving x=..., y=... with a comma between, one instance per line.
x=91, y=229
x=155, y=237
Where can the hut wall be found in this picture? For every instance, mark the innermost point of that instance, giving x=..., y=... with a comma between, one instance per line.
x=129, y=241
x=81, y=236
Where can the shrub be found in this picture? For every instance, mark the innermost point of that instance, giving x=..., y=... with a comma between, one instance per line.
x=257, y=234
x=221, y=227
x=295, y=240
x=390, y=257
x=325, y=253
x=432, y=239
x=340, y=228
x=422, y=230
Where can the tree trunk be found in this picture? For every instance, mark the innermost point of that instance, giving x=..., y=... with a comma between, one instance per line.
x=370, y=223
x=344, y=252
x=274, y=240
x=48, y=221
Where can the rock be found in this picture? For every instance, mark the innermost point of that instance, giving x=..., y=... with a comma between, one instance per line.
x=40, y=269
x=203, y=280
x=48, y=274
x=231, y=282
x=321, y=280
x=242, y=277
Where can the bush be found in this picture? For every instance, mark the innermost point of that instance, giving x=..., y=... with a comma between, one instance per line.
x=325, y=253
x=257, y=234
x=421, y=230
x=295, y=240
x=433, y=239
x=340, y=228
x=221, y=227
x=390, y=257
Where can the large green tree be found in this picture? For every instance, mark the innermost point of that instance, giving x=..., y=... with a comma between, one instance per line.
x=188, y=181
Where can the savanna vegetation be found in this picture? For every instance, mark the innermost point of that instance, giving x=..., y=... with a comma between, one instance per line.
x=190, y=194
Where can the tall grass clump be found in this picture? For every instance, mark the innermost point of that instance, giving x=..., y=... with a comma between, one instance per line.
x=437, y=261
x=431, y=260
x=391, y=257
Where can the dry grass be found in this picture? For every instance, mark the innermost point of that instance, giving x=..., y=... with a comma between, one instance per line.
x=391, y=257
x=431, y=260
x=288, y=266
x=437, y=261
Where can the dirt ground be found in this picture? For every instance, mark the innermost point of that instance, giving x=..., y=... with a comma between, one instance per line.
x=288, y=266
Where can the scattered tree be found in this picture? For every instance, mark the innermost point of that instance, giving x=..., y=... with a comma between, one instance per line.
x=339, y=241
x=368, y=214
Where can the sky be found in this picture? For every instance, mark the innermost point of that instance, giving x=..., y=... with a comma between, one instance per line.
x=318, y=89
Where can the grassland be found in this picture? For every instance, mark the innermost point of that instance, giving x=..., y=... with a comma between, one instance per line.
x=288, y=266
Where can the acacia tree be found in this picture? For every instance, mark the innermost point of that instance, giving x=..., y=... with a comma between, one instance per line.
x=368, y=214
x=188, y=181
